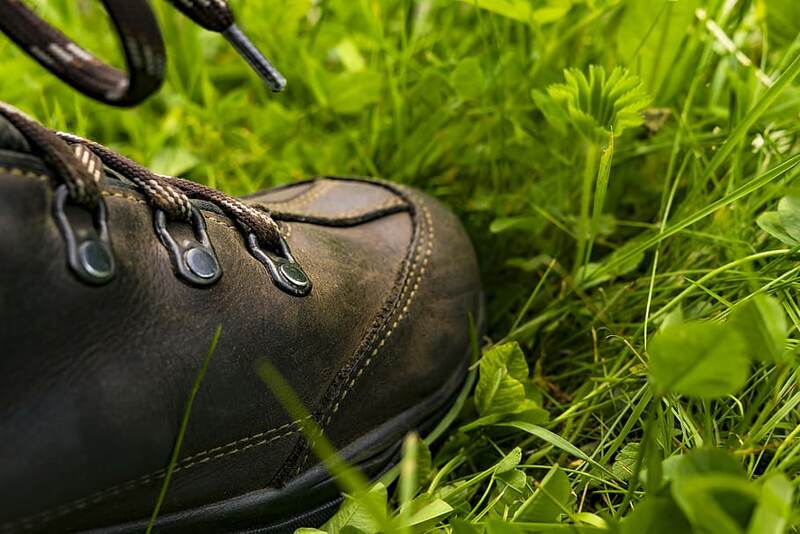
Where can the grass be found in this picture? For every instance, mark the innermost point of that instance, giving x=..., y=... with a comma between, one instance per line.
x=603, y=211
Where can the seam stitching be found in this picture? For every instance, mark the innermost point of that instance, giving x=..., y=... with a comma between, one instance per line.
x=388, y=203
x=19, y=171
x=420, y=258
x=353, y=213
x=305, y=198
x=403, y=312
x=202, y=457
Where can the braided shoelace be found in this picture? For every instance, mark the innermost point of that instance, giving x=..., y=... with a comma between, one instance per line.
x=142, y=45
x=78, y=164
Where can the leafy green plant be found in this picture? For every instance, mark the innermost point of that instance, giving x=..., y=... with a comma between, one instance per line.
x=598, y=105
x=504, y=389
x=707, y=360
x=599, y=108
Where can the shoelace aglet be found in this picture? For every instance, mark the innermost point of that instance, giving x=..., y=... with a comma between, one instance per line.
x=255, y=58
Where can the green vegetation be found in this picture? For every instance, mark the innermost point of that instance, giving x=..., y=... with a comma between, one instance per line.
x=625, y=168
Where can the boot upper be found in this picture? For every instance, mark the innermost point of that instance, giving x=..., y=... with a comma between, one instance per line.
x=94, y=379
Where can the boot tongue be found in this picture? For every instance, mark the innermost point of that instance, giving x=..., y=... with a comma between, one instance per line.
x=11, y=138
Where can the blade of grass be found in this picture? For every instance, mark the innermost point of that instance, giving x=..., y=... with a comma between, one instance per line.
x=767, y=99
x=742, y=191
x=350, y=479
x=600, y=190
x=182, y=431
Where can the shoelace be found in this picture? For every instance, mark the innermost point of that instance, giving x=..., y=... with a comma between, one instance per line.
x=78, y=166
x=142, y=45
x=79, y=163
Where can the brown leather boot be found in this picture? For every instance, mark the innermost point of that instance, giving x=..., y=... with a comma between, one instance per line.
x=112, y=284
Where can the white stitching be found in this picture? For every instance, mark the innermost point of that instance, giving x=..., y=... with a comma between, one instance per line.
x=18, y=171
x=430, y=235
x=401, y=316
x=304, y=198
x=357, y=212
x=386, y=204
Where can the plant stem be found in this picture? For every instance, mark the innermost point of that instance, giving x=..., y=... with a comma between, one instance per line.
x=589, y=172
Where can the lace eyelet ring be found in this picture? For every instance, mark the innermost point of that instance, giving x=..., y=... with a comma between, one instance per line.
x=89, y=253
x=286, y=273
x=195, y=261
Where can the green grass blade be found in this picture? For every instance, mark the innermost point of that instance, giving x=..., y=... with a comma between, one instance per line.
x=176, y=450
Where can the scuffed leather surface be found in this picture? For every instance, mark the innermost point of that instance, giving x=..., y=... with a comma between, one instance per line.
x=94, y=380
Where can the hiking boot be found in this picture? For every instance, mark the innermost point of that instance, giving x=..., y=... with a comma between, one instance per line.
x=113, y=282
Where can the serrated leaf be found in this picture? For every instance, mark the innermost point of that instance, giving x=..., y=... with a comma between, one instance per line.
x=626, y=461
x=601, y=104
x=702, y=360
x=553, y=113
x=762, y=323
x=500, y=388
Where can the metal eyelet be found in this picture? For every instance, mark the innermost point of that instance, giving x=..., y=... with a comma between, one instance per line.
x=284, y=270
x=89, y=252
x=194, y=260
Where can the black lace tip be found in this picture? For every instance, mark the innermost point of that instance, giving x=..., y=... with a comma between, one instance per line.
x=255, y=58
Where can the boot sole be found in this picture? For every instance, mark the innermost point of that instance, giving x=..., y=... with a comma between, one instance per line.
x=276, y=511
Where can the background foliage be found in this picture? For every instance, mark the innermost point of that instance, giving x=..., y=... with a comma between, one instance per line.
x=624, y=167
